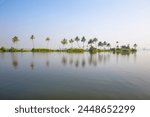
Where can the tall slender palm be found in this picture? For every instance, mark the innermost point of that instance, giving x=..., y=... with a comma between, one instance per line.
x=135, y=46
x=64, y=42
x=32, y=38
x=104, y=44
x=100, y=44
x=108, y=45
x=117, y=42
x=77, y=39
x=83, y=41
x=15, y=39
x=47, y=39
x=90, y=42
x=71, y=42
x=128, y=46
x=95, y=41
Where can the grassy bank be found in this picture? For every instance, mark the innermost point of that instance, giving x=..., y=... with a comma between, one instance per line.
x=71, y=50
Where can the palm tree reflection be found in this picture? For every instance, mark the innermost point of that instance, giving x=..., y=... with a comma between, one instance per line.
x=32, y=63
x=47, y=60
x=82, y=60
x=64, y=60
x=15, y=62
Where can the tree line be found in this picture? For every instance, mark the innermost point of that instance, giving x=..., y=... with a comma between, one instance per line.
x=95, y=43
x=76, y=45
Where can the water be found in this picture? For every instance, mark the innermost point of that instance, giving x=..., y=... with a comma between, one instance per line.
x=74, y=76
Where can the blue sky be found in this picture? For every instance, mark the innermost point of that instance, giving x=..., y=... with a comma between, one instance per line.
x=126, y=21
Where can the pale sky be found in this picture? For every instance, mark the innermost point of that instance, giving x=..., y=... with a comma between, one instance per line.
x=126, y=21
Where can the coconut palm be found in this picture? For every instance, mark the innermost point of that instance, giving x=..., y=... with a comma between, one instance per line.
x=83, y=40
x=32, y=38
x=77, y=39
x=64, y=42
x=117, y=42
x=71, y=42
x=128, y=46
x=104, y=44
x=108, y=45
x=135, y=46
x=90, y=42
x=95, y=41
x=100, y=44
x=15, y=39
x=47, y=39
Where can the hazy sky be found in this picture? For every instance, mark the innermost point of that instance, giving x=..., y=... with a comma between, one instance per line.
x=126, y=21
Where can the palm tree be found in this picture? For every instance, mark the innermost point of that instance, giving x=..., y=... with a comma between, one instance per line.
x=135, y=46
x=32, y=38
x=95, y=41
x=77, y=40
x=108, y=45
x=47, y=39
x=100, y=44
x=104, y=44
x=128, y=46
x=83, y=40
x=71, y=41
x=90, y=42
x=117, y=44
x=15, y=39
x=64, y=42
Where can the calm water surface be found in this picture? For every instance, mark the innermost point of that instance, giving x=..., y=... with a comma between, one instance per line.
x=74, y=76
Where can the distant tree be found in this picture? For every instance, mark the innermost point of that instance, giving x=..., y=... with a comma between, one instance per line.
x=83, y=41
x=117, y=42
x=95, y=41
x=108, y=45
x=104, y=44
x=135, y=46
x=100, y=44
x=128, y=46
x=90, y=42
x=64, y=42
x=71, y=42
x=47, y=39
x=15, y=39
x=77, y=39
x=32, y=38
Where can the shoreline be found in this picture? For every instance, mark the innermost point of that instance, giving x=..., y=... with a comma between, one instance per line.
x=71, y=50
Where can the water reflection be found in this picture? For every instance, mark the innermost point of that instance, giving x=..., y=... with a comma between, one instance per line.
x=15, y=61
x=74, y=60
x=2, y=55
x=74, y=76
x=47, y=60
x=84, y=60
x=32, y=63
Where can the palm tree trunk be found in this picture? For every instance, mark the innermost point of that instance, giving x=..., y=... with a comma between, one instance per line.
x=78, y=45
x=33, y=44
x=47, y=45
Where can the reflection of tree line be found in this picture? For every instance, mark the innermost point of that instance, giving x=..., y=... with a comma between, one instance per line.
x=47, y=62
x=15, y=60
x=75, y=60
x=91, y=59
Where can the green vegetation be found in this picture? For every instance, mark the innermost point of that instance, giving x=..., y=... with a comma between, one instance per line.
x=42, y=50
x=75, y=50
x=12, y=49
x=91, y=45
